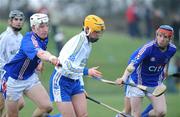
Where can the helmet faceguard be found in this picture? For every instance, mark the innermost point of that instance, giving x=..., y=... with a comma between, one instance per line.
x=94, y=23
x=17, y=14
x=38, y=18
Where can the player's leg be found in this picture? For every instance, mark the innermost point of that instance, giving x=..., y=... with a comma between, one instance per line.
x=40, y=97
x=136, y=95
x=2, y=100
x=62, y=96
x=80, y=105
x=13, y=95
x=127, y=105
x=12, y=108
x=79, y=99
x=20, y=106
x=136, y=106
x=21, y=103
x=66, y=109
x=38, y=94
x=159, y=106
x=60, y=92
x=1, y=104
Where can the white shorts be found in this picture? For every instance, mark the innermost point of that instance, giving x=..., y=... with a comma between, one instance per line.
x=135, y=92
x=16, y=88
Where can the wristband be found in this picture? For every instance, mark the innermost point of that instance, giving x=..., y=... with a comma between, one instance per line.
x=85, y=71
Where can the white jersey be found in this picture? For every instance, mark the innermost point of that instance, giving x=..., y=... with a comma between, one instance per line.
x=74, y=56
x=9, y=45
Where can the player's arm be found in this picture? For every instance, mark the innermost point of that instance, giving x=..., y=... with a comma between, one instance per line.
x=134, y=63
x=40, y=67
x=93, y=72
x=47, y=56
x=3, y=52
x=128, y=71
x=166, y=70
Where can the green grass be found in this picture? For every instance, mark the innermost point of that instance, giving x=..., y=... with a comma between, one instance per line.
x=111, y=53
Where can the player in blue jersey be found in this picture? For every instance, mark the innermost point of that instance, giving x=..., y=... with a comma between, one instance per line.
x=20, y=77
x=149, y=68
x=66, y=83
x=127, y=106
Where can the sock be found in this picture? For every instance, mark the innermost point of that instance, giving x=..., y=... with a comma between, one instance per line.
x=147, y=110
x=57, y=115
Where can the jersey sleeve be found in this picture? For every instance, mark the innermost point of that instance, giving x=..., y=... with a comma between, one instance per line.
x=139, y=55
x=30, y=46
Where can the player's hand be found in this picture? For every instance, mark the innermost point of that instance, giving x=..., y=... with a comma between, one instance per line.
x=40, y=67
x=165, y=75
x=119, y=81
x=55, y=61
x=93, y=72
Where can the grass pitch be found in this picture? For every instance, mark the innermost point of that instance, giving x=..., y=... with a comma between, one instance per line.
x=111, y=53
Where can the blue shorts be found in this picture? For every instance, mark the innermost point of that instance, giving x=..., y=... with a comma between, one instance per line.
x=63, y=88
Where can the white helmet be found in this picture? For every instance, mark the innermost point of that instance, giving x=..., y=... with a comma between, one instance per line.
x=38, y=18
x=16, y=13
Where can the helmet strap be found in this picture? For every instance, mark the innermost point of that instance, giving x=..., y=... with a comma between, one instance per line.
x=88, y=33
x=16, y=29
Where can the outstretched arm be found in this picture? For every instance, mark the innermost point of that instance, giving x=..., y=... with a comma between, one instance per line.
x=130, y=68
x=47, y=56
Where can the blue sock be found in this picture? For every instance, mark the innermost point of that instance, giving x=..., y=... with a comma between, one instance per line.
x=57, y=115
x=147, y=110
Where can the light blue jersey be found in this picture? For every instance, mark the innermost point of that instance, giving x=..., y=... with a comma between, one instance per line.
x=23, y=65
x=149, y=62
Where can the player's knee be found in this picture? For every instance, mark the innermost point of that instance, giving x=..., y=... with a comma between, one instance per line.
x=161, y=113
x=1, y=103
x=21, y=105
x=48, y=108
x=12, y=115
x=1, y=106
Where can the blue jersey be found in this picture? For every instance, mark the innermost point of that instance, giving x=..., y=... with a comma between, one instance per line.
x=149, y=62
x=24, y=63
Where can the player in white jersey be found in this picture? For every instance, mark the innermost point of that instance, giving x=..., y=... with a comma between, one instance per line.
x=149, y=68
x=66, y=83
x=10, y=43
